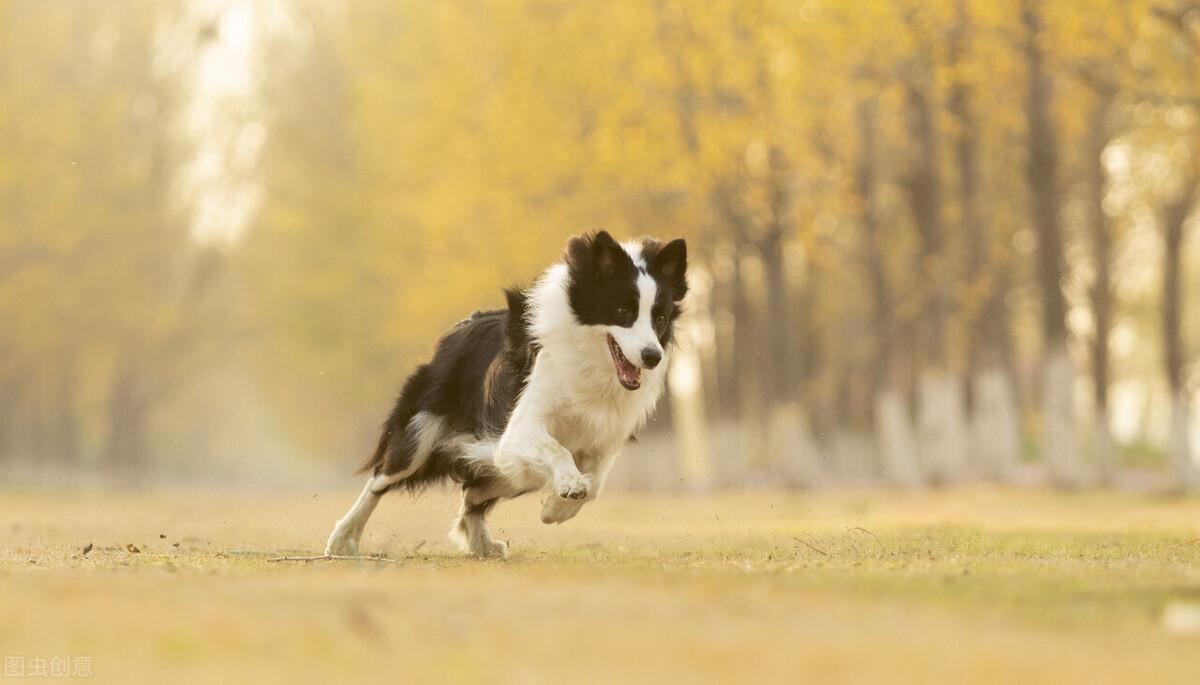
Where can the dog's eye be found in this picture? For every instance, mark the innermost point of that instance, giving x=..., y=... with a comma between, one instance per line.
x=622, y=310
x=659, y=319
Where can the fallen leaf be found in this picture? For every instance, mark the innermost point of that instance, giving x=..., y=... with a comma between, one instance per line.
x=162, y=536
x=87, y=549
x=131, y=549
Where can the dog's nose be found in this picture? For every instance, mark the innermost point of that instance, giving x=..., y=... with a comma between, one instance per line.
x=651, y=356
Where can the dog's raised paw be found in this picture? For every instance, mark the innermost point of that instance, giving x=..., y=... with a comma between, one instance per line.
x=572, y=485
x=557, y=509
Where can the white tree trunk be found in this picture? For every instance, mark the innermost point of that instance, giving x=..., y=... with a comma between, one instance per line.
x=851, y=456
x=895, y=443
x=793, y=452
x=995, y=427
x=684, y=382
x=1104, y=453
x=1060, y=449
x=941, y=426
x=1183, y=459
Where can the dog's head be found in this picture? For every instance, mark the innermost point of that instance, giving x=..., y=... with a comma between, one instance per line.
x=630, y=293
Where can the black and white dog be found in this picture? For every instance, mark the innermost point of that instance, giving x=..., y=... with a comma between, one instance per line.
x=541, y=395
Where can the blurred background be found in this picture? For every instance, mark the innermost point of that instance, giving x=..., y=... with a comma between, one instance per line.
x=932, y=242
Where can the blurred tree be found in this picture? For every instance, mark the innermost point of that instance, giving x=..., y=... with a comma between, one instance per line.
x=1060, y=448
x=995, y=429
x=1178, y=72
x=1099, y=59
x=104, y=316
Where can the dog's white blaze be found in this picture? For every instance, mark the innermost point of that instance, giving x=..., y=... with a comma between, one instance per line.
x=641, y=335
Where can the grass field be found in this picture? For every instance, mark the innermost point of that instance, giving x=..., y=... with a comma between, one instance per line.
x=974, y=585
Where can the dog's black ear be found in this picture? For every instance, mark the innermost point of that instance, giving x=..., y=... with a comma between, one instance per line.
x=608, y=253
x=594, y=254
x=669, y=264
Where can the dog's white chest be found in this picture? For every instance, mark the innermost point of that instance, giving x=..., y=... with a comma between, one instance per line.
x=599, y=420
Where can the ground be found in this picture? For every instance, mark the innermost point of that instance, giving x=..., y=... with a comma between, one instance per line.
x=976, y=585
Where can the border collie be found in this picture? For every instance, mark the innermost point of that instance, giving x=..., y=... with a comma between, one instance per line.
x=539, y=396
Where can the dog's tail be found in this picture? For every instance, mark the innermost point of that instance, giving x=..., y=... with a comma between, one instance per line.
x=518, y=343
x=395, y=443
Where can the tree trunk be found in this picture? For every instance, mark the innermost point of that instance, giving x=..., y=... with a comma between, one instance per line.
x=924, y=197
x=67, y=411
x=940, y=410
x=686, y=388
x=994, y=426
x=730, y=306
x=1103, y=455
x=996, y=416
x=779, y=376
x=39, y=419
x=942, y=426
x=126, y=448
x=1059, y=449
x=780, y=382
x=8, y=419
x=1182, y=459
x=976, y=248
x=894, y=439
x=749, y=381
x=1059, y=438
x=754, y=365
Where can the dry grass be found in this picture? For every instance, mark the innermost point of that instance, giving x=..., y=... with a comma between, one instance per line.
x=974, y=585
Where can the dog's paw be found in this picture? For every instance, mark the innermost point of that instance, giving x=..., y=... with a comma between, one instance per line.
x=341, y=545
x=491, y=549
x=555, y=509
x=572, y=484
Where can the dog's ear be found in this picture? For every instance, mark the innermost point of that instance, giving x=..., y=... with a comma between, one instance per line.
x=669, y=264
x=607, y=253
x=594, y=254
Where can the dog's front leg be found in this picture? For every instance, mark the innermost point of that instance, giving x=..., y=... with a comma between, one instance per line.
x=557, y=509
x=530, y=457
x=527, y=454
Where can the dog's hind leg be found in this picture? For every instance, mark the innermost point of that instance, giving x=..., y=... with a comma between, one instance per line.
x=405, y=457
x=470, y=530
x=471, y=533
x=349, y=529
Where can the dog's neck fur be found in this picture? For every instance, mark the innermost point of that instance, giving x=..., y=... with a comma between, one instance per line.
x=587, y=387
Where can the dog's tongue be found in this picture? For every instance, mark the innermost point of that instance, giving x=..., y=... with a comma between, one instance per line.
x=629, y=374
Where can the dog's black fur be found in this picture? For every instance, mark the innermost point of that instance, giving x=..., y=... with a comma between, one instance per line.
x=603, y=288
x=489, y=350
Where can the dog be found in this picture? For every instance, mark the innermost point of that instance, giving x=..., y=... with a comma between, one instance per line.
x=540, y=396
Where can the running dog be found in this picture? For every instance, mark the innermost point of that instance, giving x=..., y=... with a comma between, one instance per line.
x=539, y=396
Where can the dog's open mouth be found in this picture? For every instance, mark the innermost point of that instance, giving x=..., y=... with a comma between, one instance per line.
x=629, y=375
